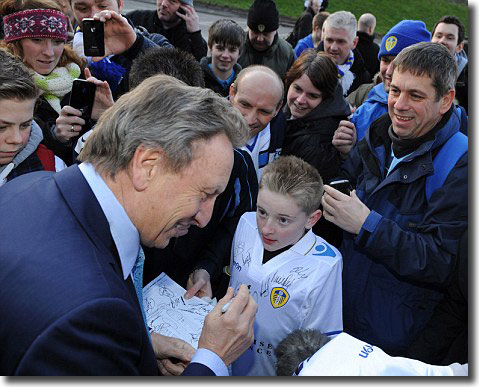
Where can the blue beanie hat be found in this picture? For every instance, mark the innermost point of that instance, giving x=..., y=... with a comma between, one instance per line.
x=402, y=35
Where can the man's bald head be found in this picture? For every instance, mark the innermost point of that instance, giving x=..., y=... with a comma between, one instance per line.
x=367, y=23
x=258, y=94
x=255, y=72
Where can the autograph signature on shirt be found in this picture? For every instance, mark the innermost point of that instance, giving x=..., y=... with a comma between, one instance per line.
x=284, y=280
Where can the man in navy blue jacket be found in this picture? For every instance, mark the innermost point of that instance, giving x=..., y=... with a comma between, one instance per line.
x=401, y=237
x=71, y=240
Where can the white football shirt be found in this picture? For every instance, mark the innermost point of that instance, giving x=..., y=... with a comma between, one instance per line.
x=347, y=356
x=299, y=288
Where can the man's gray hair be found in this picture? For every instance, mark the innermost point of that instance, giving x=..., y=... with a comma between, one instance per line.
x=342, y=20
x=431, y=59
x=162, y=112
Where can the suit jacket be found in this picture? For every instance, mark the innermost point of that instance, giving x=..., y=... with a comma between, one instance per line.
x=65, y=307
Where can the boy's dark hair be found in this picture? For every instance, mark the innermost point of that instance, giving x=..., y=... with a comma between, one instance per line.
x=297, y=347
x=449, y=19
x=16, y=81
x=227, y=33
x=169, y=61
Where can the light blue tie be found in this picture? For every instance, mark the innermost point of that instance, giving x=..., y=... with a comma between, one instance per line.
x=137, y=274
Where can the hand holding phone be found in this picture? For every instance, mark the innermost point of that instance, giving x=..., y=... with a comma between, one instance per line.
x=82, y=97
x=93, y=37
x=343, y=186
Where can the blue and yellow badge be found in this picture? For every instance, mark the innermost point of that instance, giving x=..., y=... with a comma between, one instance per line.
x=279, y=297
x=391, y=42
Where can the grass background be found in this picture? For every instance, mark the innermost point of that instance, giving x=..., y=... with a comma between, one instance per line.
x=387, y=12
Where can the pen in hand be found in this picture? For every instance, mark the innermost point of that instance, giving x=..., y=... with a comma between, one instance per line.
x=226, y=306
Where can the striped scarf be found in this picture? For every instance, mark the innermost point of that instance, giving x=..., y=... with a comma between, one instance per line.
x=346, y=77
x=57, y=84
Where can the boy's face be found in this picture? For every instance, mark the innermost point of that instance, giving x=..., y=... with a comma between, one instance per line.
x=223, y=58
x=15, y=126
x=281, y=222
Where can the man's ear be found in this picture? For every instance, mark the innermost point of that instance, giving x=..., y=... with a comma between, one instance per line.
x=447, y=100
x=144, y=166
x=459, y=47
x=232, y=92
x=313, y=219
x=278, y=108
x=355, y=42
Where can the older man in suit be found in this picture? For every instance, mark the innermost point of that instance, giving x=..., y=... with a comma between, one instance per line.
x=71, y=241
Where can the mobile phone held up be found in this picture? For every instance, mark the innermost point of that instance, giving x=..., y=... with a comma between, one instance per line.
x=82, y=97
x=93, y=37
x=343, y=186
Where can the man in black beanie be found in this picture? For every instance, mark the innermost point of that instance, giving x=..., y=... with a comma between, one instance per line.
x=263, y=44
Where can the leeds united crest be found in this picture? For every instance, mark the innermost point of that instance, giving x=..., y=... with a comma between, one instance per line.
x=391, y=42
x=279, y=297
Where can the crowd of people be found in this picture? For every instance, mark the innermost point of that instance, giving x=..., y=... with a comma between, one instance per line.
x=215, y=161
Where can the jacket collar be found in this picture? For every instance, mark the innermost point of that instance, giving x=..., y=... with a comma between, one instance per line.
x=80, y=198
x=445, y=128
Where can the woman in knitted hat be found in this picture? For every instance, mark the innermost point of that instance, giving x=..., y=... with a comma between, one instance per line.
x=36, y=31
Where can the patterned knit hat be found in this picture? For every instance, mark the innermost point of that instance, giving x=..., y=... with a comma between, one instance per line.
x=35, y=23
x=402, y=35
x=263, y=16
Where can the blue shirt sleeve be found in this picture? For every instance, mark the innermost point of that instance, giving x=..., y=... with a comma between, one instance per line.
x=211, y=360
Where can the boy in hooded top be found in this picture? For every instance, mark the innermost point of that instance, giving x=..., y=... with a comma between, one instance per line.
x=225, y=39
x=21, y=150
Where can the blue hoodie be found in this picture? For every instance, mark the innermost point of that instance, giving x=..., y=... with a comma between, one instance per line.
x=371, y=109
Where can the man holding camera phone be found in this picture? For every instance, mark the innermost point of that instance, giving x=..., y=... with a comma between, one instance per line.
x=123, y=41
x=402, y=224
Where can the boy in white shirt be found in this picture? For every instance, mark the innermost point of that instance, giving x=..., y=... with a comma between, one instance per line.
x=294, y=275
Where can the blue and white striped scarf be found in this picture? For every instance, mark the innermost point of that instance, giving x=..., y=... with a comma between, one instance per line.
x=346, y=77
